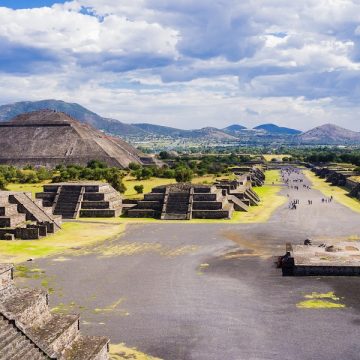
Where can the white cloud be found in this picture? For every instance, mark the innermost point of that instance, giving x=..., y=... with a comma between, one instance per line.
x=185, y=62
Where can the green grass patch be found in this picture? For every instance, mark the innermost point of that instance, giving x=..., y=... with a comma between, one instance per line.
x=32, y=188
x=340, y=195
x=72, y=235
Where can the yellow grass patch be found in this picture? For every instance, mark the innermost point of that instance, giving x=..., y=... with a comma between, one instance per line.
x=320, y=301
x=341, y=195
x=72, y=236
x=122, y=352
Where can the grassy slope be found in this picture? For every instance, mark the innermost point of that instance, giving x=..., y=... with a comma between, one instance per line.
x=269, y=157
x=339, y=194
x=72, y=235
x=33, y=188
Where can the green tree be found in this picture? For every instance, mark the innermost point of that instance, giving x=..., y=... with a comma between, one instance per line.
x=183, y=174
x=139, y=189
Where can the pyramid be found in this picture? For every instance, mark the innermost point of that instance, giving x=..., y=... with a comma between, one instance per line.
x=49, y=138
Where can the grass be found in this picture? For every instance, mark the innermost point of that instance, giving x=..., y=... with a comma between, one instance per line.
x=269, y=157
x=320, y=301
x=73, y=235
x=33, y=188
x=341, y=195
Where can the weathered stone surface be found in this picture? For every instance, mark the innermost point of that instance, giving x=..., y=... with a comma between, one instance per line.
x=26, y=323
x=50, y=138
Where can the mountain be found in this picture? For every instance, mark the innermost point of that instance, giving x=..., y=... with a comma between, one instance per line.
x=160, y=130
x=210, y=133
x=74, y=110
x=277, y=130
x=330, y=134
x=234, y=130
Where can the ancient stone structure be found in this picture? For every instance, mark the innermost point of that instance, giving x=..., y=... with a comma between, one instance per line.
x=50, y=138
x=239, y=192
x=84, y=199
x=340, y=259
x=254, y=174
x=339, y=176
x=29, y=331
x=183, y=202
x=23, y=218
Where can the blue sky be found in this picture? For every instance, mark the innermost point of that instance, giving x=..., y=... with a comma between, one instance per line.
x=25, y=4
x=187, y=63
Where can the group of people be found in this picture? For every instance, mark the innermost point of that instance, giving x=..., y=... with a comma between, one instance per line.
x=290, y=178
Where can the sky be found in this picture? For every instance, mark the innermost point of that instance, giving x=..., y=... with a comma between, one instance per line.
x=187, y=63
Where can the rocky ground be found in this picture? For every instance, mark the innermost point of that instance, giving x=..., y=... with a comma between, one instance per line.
x=211, y=291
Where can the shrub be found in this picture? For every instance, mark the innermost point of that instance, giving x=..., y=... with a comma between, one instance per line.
x=139, y=189
x=183, y=175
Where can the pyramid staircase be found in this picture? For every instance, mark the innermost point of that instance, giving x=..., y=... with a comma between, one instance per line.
x=28, y=330
x=23, y=218
x=176, y=204
x=183, y=202
x=73, y=200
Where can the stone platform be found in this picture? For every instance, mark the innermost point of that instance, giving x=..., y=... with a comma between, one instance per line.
x=28, y=330
x=83, y=199
x=183, y=202
x=338, y=259
x=23, y=218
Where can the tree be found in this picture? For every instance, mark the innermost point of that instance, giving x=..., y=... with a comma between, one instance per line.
x=3, y=182
x=183, y=175
x=139, y=189
x=116, y=181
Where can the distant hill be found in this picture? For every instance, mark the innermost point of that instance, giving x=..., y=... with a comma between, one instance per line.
x=278, y=130
x=330, y=134
x=76, y=111
x=160, y=130
x=262, y=134
x=234, y=130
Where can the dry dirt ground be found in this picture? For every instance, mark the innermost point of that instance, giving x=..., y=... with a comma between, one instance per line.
x=211, y=291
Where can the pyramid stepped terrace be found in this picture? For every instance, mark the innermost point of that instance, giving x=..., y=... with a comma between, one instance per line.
x=183, y=202
x=85, y=199
x=28, y=330
x=50, y=138
x=23, y=218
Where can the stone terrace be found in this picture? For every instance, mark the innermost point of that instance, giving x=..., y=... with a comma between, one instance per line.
x=84, y=199
x=30, y=331
x=23, y=218
x=183, y=202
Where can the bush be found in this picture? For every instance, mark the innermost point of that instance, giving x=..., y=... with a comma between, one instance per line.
x=183, y=175
x=139, y=189
x=116, y=181
x=3, y=182
x=134, y=166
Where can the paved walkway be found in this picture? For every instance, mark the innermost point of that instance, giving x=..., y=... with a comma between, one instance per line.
x=212, y=292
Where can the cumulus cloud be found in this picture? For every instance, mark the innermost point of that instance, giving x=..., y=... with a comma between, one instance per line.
x=213, y=61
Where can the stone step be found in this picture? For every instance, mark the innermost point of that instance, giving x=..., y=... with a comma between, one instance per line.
x=56, y=334
x=100, y=212
x=12, y=221
x=87, y=348
x=175, y=216
x=8, y=210
x=26, y=306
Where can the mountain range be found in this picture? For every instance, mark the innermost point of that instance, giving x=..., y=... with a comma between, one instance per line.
x=266, y=133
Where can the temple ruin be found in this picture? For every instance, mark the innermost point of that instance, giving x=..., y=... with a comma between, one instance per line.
x=23, y=218
x=84, y=199
x=49, y=138
x=28, y=330
x=183, y=202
